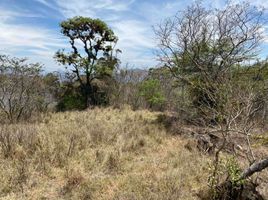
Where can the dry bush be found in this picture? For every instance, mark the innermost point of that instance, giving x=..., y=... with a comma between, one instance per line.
x=21, y=89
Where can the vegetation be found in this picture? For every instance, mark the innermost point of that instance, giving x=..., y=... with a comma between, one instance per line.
x=151, y=91
x=21, y=88
x=101, y=154
x=96, y=38
x=195, y=127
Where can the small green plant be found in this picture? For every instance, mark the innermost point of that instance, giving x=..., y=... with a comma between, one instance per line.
x=227, y=169
x=216, y=171
x=262, y=139
x=234, y=172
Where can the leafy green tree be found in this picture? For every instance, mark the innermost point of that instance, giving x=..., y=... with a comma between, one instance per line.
x=151, y=90
x=92, y=55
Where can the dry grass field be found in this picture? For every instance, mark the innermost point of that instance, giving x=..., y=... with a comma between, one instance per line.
x=98, y=154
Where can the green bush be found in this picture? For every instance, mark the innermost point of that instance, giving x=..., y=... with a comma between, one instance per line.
x=152, y=93
x=71, y=99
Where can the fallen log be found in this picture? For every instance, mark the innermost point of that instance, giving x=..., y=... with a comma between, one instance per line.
x=255, y=167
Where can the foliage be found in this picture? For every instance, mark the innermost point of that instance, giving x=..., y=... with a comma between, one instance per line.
x=172, y=90
x=234, y=171
x=227, y=168
x=71, y=99
x=95, y=59
x=151, y=91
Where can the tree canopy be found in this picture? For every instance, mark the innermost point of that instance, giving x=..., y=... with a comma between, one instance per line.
x=92, y=52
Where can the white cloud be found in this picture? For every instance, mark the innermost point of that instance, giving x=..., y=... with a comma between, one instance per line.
x=135, y=41
x=70, y=8
x=37, y=43
x=131, y=21
x=46, y=3
x=24, y=40
x=6, y=14
x=134, y=34
x=23, y=36
x=113, y=5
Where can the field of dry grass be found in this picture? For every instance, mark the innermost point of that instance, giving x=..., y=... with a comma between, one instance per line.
x=98, y=154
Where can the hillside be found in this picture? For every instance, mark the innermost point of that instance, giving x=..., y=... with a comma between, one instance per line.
x=133, y=100
x=99, y=154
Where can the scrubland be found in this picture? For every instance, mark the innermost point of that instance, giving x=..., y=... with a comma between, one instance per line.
x=102, y=153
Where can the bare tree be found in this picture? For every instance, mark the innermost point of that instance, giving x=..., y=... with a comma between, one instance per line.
x=19, y=88
x=204, y=50
x=209, y=42
x=126, y=89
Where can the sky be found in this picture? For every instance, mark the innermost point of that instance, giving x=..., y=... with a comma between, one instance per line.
x=30, y=28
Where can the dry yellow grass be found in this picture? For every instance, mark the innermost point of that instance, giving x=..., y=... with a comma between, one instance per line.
x=98, y=154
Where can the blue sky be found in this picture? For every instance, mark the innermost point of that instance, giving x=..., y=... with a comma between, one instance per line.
x=30, y=28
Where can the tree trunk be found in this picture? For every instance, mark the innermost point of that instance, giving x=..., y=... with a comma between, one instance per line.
x=87, y=93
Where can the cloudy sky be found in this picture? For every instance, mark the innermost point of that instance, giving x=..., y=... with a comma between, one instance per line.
x=30, y=28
